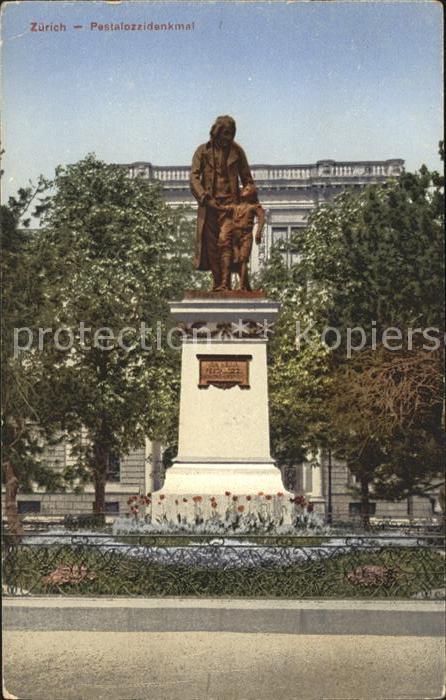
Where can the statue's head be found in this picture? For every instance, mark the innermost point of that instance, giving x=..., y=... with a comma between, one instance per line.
x=223, y=130
x=248, y=193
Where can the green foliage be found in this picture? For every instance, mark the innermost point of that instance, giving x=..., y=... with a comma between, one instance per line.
x=109, y=252
x=112, y=571
x=385, y=408
x=372, y=259
x=26, y=386
x=411, y=461
x=298, y=377
x=378, y=256
x=298, y=386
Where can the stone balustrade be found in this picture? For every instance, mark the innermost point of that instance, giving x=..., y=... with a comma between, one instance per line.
x=283, y=173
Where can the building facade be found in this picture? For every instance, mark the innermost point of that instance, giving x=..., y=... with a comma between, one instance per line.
x=142, y=471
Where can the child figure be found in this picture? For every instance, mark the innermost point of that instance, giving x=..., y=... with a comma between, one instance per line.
x=235, y=239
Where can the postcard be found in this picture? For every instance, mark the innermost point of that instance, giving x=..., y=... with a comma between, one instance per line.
x=222, y=262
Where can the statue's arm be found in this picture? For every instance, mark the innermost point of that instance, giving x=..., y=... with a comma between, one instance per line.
x=197, y=188
x=260, y=213
x=244, y=169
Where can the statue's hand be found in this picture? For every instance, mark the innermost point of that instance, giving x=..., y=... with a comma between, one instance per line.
x=212, y=203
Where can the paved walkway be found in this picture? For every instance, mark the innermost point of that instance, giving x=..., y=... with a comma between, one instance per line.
x=355, y=616
x=220, y=666
x=183, y=649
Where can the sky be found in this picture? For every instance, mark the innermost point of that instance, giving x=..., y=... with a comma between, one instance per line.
x=305, y=81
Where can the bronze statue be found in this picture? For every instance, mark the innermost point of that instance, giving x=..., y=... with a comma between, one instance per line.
x=236, y=234
x=217, y=167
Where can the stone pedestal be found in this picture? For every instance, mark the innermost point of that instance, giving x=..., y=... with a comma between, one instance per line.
x=224, y=442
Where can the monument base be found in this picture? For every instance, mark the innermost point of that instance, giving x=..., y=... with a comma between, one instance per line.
x=224, y=459
x=213, y=487
x=214, y=479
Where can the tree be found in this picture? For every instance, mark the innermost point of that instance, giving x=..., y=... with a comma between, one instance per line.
x=386, y=410
x=376, y=258
x=375, y=261
x=26, y=387
x=298, y=379
x=369, y=260
x=110, y=245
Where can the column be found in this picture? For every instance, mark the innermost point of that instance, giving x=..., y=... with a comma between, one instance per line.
x=317, y=481
x=149, y=471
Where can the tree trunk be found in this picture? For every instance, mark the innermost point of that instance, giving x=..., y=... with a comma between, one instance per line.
x=365, y=503
x=410, y=507
x=329, y=489
x=99, y=480
x=442, y=502
x=11, y=489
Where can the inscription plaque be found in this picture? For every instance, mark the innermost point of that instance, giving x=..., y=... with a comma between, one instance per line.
x=224, y=371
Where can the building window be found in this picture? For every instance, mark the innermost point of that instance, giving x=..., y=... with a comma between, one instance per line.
x=112, y=507
x=295, y=241
x=435, y=506
x=279, y=235
x=114, y=467
x=279, y=239
x=25, y=507
x=355, y=508
x=290, y=478
x=353, y=479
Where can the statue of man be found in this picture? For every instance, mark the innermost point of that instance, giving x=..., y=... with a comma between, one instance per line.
x=218, y=166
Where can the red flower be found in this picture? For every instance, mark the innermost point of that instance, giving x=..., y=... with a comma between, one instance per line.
x=248, y=498
x=260, y=493
x=176, y=501
x=197, y=499
x=235, y=498
x=268, y=497
x=227, y=493
x=214, y=504
x=280, y=494
x=300, y=501
x=162, y=497
x=240, y=509
x=184, y=500
x=310, y=508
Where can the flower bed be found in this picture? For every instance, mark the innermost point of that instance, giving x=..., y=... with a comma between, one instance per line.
x=232, y=514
